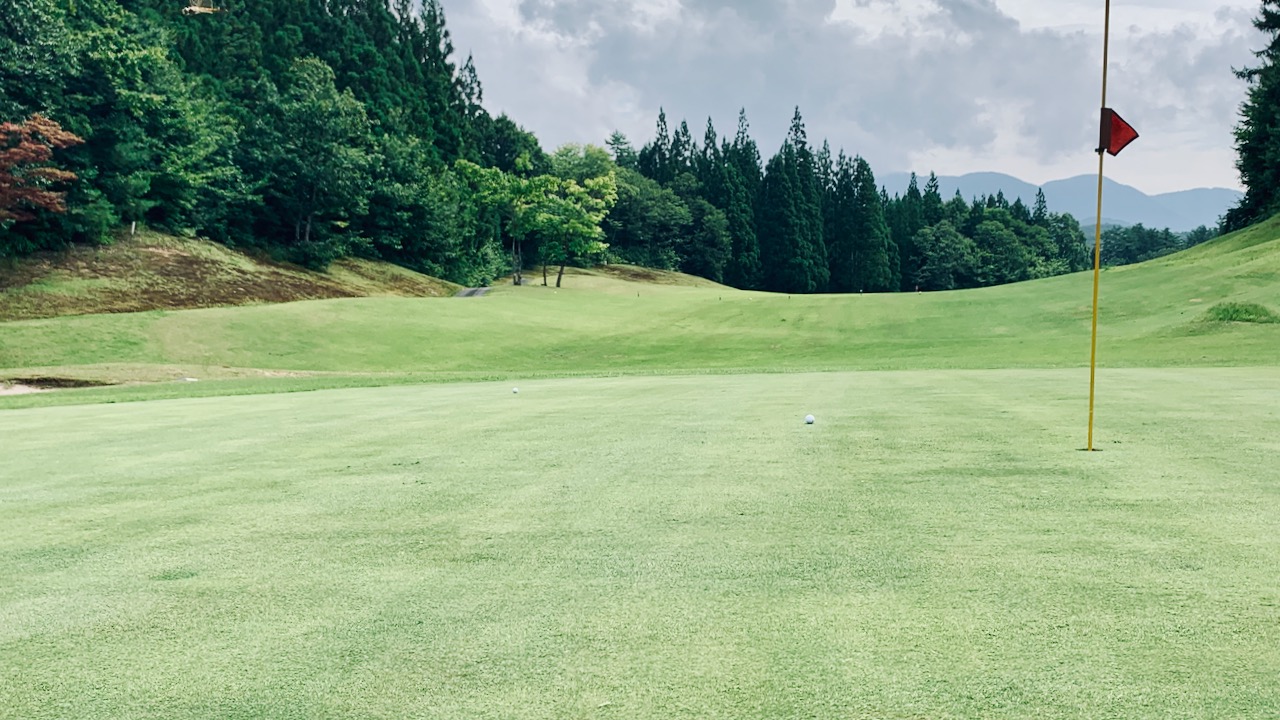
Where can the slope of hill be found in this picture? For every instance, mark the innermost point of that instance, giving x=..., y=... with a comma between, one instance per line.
x=1157, y=314
x=1125, y=205
x=159, y=272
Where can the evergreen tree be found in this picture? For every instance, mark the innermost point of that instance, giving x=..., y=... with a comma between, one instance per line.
x=1019, y=211
x=779, y=226
x=876, y=256
x=863, y=257
x=1040, y=213
x=682, y=151
x=1258, y=134
x=956, y=211
x=910, y=220
x=624, y=154
x=710, y=169
x=932, y=205
x=745, y=156
x=807, y=181
x=654, y=160
x=825, y=169
x=743, y=181
x=744, y=269
x=842, y=228
x=504, y=145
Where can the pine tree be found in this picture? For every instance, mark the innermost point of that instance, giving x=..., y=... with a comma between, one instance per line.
x=654, y=161
x=710, y=169
x=624, y=154
x=876, y=260
x=1258, y=134
x=842, y=230
x=808, y=182
x=743, y=270
x=1020, y=211
x=743, y=186
x=779, y=225
x=910, y=220
x=746, y=156
x=682, y=150
x=956, y=210
x=933, y=205
x=1040, y=212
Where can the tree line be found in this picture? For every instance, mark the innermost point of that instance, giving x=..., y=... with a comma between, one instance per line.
x=809, y=221
x=318, y=129
x=307, y=129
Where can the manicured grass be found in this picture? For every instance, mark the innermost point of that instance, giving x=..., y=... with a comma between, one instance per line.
x=602, y=324
x=656, y=534
x=935, y=546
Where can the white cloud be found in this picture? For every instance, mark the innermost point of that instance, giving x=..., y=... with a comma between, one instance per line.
x=947, y=85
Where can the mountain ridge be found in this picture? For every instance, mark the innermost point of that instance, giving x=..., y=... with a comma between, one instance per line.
x=1180, y=211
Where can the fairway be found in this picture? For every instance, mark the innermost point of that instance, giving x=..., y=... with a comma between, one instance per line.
x=1154, y=315
x=651, y=547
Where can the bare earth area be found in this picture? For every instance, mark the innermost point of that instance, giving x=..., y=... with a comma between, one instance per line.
x=158, y=272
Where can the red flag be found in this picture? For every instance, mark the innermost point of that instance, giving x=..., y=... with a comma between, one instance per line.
x=1116, y=133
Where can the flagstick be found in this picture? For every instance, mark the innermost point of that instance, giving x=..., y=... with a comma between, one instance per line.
x=1097, y=237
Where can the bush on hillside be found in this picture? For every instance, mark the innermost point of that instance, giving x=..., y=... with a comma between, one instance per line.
x=1241, y=312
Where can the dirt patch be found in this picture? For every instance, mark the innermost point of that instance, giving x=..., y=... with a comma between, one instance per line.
x=634, y=274
x=40, y=384
x=163, y=273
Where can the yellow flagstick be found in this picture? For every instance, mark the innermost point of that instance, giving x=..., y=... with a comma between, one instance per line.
x=1097, y=237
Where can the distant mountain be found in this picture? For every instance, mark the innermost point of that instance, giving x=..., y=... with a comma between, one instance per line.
x=1123, y=205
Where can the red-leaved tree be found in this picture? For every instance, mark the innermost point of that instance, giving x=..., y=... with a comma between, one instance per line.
x=27, y=179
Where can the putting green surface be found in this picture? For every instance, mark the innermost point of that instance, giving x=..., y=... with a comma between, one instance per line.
x=935, y=546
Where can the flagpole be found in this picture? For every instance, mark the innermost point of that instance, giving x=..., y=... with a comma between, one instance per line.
x=1097, y=236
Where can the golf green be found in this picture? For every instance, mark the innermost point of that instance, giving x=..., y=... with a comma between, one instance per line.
x=934, y=546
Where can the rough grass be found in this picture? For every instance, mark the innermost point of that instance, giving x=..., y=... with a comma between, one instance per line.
x=153, y=271
x=1240, y=312
x=934, y=547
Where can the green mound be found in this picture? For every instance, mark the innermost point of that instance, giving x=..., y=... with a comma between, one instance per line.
x=1235, y=312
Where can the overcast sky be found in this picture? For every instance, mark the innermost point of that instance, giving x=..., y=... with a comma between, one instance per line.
x=953, y=86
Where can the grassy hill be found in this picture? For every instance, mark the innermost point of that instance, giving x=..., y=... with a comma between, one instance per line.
x=159, y=272
x=605, y=322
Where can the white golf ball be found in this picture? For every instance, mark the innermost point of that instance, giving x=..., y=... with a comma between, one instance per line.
x=515, y=391
x=809, y=420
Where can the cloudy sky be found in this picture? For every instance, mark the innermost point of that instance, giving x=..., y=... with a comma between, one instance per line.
x=953, y=86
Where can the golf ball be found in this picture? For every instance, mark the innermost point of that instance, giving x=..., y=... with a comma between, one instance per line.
x=515, y=391
x=809, y=420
